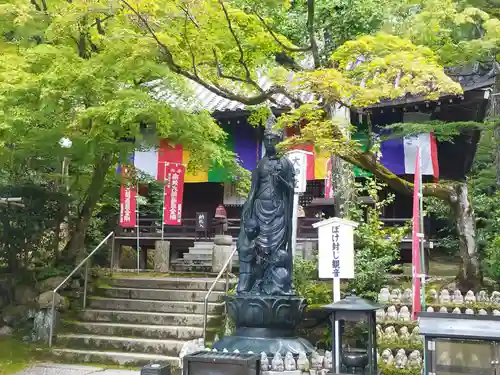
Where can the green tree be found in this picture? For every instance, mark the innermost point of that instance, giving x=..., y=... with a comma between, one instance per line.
x=63, y=72
x=225, y=45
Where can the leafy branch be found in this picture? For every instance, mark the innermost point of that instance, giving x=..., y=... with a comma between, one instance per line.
x=260, y=98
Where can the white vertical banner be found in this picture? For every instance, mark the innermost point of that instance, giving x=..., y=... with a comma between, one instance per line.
x=298, y=159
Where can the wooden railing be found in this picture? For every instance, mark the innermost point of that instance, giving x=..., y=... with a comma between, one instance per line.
x=151, y=227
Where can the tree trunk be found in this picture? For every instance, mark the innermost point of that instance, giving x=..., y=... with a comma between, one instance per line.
x=495, y=113
x=76, y=246
x=469, y=276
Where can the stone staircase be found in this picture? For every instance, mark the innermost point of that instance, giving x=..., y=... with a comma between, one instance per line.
x=136, y=320
x=198, y=258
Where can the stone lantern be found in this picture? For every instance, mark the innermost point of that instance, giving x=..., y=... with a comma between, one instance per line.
x=353, y=360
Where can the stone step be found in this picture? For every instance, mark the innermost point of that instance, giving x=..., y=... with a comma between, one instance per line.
x=159, y=294
x=190, y=267
x=170, y=348
x=201, y=251
x=201, y=244
x=134, y=330
x=113, y=358
x=164, y=283
x=148, y=318
x=183, y=307
x=198, y=257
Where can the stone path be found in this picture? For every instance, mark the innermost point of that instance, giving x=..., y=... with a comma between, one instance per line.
x=55, y=369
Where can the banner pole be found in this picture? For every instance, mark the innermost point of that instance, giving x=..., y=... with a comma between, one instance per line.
x=137, y=226
x=423, y=271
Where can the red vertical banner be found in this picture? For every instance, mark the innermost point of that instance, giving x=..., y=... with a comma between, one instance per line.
x=415, y=247
x=328, y=180
x=128, y=202
x=174, y=189
x=167, y=153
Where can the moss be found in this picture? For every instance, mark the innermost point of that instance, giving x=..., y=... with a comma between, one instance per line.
x=15, y=356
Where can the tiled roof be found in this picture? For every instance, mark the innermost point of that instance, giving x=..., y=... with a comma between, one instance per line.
x=472, y=77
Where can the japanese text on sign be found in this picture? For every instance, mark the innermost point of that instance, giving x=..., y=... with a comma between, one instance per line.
x=336, y=250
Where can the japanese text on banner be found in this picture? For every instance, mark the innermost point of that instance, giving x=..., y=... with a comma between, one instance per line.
x=128, y=203
x=174, y=189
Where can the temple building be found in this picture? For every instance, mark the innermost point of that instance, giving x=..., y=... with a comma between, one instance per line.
x=205, y=191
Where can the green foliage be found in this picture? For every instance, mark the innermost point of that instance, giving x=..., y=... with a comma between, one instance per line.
x=459, y=34
x=376, y=249
x=376, y=246
x=392, y=370
x=307, y=285
x=64, y=73
x=373, y=68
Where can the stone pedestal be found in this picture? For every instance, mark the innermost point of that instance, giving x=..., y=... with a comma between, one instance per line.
x=223, y=246
x=162, y=256
x=265, y=324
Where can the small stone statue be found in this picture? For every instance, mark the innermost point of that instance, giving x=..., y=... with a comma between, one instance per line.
x=458, y=298
x=404, y=314
x=445, y=359
x=327, y=360
x=404, y=335
x=415, y=359
x=316, y=361
x=469, y=312
x=443, y=309
x=483, y=296
x=482, y=312
x=277, y=363
x=390, y=334
x=225, y=350
x=264, y=362
x=303, y=362
x=495, y=297
x=401, y=360
x=392, y=314
x=433, y=296
x=290, y=364
x=456, y=310
x=444, y=297
x=407, y=296
x=474, y=361
x=201, y=341
x=430, y=309
x=384, y=296
x=470, y=297
x=415, y=336
x=395, y=296
x=387, y=357
x=380, y=315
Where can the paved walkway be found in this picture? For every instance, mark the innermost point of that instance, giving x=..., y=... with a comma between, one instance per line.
x=55, y=369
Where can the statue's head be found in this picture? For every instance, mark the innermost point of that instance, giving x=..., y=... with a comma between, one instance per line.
x=271, y=139
x=251, y=228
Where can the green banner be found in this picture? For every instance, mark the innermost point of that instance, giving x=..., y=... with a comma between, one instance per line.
x=363, y=139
